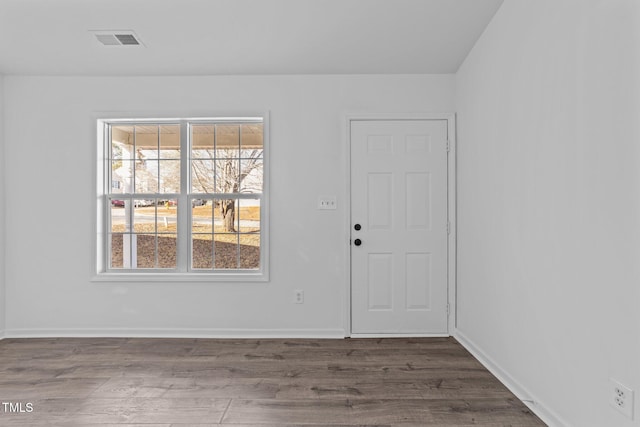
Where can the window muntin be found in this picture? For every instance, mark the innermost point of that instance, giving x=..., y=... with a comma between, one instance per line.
x=152, y=181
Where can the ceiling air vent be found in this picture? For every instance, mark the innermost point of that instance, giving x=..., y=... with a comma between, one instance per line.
x=117, y=38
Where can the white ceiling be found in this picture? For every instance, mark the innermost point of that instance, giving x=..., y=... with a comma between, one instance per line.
x=208, y=37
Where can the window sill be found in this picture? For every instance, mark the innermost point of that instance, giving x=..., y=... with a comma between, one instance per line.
x=180, y=277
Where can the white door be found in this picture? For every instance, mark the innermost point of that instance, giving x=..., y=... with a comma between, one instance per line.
x=399, y=227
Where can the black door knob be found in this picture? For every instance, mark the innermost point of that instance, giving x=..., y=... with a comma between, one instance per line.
x=357, y=227
x=357, y=242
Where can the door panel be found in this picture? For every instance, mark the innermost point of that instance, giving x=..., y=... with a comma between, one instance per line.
x=379, y=279
x=418, y=198
x=399, y=196
x=380, y=198
x=418, y=281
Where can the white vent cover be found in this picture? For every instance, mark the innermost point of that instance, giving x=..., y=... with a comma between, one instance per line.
x=117, y=38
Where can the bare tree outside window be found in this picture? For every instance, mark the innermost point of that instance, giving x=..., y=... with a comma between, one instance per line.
x=231, y=175
x=228, y=160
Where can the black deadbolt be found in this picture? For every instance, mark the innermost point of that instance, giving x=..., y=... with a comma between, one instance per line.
x=357, y=242
x=357, y=226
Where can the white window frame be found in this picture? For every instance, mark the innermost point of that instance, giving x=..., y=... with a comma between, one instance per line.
x=183, y=272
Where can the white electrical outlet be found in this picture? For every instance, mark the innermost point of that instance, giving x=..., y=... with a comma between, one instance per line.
x=298, y=296
x=621, y=398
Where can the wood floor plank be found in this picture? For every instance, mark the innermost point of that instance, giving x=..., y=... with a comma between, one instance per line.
x=440, y=387
x=482, y=411
x=391, y=411
x=348, y=389
x=151, y=410
x=229, y=388
x=306, y=425
x=146, y=387
x=120, y=411
x=71, y=423
x=49, y=387
x=275, y=411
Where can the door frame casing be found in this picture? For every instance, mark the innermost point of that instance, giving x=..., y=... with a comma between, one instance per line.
x=450, y=118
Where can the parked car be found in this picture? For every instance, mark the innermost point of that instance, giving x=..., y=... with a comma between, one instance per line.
x=198, y=202
x=143, y=203
x=117, y=203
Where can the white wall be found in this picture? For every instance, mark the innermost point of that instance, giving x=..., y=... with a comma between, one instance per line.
x=2, y=228
x=548, y=108
x=49, y=202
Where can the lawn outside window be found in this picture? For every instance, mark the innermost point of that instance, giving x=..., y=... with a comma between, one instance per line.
x=182, y=199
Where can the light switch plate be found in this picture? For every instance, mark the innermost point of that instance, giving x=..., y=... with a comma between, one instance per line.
x=327, y=202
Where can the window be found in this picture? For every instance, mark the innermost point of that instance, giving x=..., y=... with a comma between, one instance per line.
x=182, y=198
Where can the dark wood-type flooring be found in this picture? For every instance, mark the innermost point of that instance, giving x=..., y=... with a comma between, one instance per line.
x=270, y=382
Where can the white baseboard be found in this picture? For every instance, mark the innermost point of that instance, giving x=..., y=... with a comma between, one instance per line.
x=175, y=333
x=399, y=335
x=536, y=405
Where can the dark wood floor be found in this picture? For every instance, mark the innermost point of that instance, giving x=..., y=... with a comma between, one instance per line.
x=203, y=382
